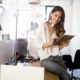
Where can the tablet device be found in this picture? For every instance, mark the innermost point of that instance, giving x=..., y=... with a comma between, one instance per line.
x=64, y=38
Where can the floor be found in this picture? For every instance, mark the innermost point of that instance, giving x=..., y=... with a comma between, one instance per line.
x=76, y=72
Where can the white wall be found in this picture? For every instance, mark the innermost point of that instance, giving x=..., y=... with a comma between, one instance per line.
x=76, y=26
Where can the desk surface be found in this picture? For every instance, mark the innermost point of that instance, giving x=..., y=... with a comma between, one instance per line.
x=48, y=75
x=10, y=72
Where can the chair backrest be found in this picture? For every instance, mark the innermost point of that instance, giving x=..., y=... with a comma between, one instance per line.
x=21, y=45
x=20, y=49
x=77, y=58
x=68, y=60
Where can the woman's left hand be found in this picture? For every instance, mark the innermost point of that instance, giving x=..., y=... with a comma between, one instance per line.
x=65, y=43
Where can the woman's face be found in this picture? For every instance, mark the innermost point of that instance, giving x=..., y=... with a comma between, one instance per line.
x=55, y=17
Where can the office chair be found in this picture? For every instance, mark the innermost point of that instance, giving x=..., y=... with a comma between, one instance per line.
x=76, y=64
x=21, y=49
x=72, y=65
x=20, y=52
x=77, y=59
x=68, y=61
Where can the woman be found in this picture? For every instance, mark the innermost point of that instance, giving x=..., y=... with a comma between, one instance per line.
x=49, y=53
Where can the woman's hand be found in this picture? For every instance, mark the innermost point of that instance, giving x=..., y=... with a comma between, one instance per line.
x=65, y=43
x=54, y=37
x=52, y=41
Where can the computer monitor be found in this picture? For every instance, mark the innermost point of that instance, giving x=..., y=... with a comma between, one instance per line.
x=6, y=50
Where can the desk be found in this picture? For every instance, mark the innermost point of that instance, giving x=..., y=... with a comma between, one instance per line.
x=48, y=75
x=10, y=72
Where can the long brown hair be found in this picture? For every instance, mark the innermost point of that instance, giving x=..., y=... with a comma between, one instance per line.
x=59, y=27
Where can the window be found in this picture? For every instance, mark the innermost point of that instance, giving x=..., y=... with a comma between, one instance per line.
x=23, y=23
x=47, y=11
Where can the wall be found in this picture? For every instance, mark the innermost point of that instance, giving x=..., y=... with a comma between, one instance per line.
x=76, y=27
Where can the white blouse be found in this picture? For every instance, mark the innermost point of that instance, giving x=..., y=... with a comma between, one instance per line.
x=43, y=36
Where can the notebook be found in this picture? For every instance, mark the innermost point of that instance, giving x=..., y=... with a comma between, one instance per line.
x=10, y=72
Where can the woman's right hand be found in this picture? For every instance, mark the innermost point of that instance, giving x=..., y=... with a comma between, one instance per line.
x=53, y=38
x=51, y=43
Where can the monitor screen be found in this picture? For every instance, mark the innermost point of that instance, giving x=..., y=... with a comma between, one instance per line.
x=6, y=50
